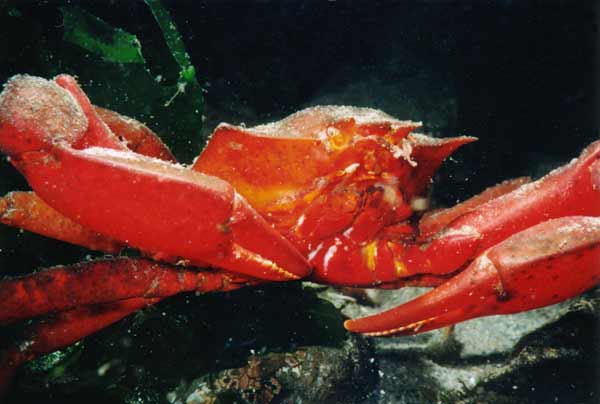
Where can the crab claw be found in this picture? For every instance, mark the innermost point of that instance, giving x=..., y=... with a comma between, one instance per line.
x=78, y=166
x=542, y=265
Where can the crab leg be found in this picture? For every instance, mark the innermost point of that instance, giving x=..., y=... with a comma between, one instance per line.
x=62, y=330
x=90, y=297
x=140, y=139
x=543, y=265
x=63, y=288
x=27, y=211
x=195, y=216
x=433, y=222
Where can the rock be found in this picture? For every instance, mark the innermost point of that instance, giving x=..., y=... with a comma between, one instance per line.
x=309, y=374
x=547, y=355
x=483, y=336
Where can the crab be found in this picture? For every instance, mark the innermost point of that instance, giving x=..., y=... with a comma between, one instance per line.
x=331, y=194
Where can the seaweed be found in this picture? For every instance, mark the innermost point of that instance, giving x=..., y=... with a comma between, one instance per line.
x=187, y=74
x=92, y=33
x=116, y=46
x=127, y=65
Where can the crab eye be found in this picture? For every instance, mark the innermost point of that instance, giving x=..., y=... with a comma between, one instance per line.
x=335, y=139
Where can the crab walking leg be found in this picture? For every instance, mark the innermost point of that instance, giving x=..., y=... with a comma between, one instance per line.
x=543, y=265
x=27, y=211
x=63, y=288
x=138, y=137
x=62, y=330
x=97, y=132
x=114, y=192
x=433, y=222
x=90, y=297
x=106, y=128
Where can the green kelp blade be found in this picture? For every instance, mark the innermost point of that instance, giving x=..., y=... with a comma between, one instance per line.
x=187, y=72
x=90, y=32
x=172, y=38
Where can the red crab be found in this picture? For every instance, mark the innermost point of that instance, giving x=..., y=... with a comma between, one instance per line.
x=329, y=194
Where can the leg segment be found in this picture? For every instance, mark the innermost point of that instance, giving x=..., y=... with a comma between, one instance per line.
x=139, y=138
x=27, y=211
x=88, y=298
x=432, y=222
x=62, y=330
x=63, y=288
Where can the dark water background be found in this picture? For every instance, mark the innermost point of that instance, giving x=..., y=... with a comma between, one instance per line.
x=522, y=76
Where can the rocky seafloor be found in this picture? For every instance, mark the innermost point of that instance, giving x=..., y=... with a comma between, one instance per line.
x=285, y=344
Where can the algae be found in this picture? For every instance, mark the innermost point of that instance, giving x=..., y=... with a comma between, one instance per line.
x=92, y=33
x=155, y=84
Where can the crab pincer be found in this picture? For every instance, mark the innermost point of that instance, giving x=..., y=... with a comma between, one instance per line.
x=543, y=265
x=70, y=157
x=531, y=247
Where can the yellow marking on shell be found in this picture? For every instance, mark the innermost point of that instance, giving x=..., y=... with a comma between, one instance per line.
x=369, y=253
x=310, y=196
x=414, y=327
x=285, y=204
x=235, y=146
x=400, y=267
x=270, y=196
x=401, y=270
x=242, y=253
x=419, y=204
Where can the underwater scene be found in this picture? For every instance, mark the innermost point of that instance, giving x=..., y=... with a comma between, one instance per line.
x=299, y=201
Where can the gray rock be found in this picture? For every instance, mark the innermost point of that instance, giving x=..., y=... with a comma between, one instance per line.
x=307, y=375
x=546, y=355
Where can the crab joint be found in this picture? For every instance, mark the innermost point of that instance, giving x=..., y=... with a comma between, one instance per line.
x=241, y=253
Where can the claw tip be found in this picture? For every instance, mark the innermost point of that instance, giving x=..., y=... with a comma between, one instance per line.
x=348, y=325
